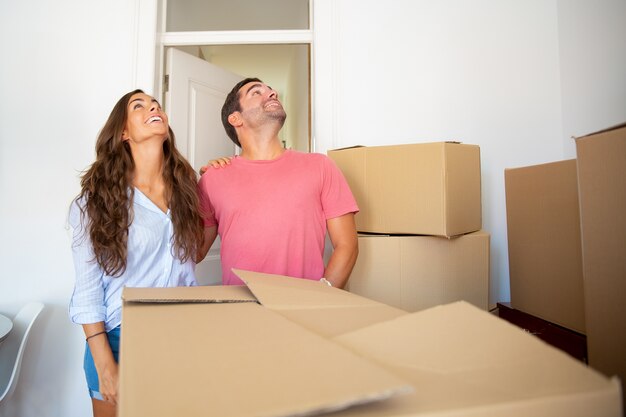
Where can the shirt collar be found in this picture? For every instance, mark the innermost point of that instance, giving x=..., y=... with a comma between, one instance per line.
x=144, y=201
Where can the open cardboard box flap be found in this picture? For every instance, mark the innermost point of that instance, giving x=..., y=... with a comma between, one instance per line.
x=463, y=361
x=288, y=356
x=203, y=294
x=283, y=293
x=316, y=306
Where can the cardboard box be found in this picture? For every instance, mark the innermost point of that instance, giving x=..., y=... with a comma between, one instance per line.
x=424, y=189
x=545, y=255
x=214, y=351
x=602, y=193
x=197, y=352
x=417, y=272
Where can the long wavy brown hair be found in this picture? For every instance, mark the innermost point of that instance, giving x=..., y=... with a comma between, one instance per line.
x=107, y=193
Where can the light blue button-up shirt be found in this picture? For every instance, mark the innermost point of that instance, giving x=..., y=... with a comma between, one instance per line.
x=97, y=296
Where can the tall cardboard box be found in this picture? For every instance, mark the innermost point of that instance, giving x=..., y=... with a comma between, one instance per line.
x=417, y=272
x=424, y=189
x=545, y=256
x=602, y=192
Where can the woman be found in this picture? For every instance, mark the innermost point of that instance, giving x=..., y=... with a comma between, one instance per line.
x=136, y=223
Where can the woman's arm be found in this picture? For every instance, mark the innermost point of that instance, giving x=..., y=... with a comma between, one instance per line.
x=216, y=163
x=103, y=359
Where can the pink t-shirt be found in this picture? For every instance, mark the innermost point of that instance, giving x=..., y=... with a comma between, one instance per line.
x=271, y=215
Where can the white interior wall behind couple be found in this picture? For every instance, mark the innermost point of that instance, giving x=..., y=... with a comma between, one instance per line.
x=518, y=78
x=64, y=66
x=515, y=77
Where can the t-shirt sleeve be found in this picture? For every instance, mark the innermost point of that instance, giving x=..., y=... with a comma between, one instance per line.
x=337, y=198
x=206, y=208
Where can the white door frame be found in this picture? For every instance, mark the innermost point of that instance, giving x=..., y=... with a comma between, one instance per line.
x=145, y=38
x=322, y=36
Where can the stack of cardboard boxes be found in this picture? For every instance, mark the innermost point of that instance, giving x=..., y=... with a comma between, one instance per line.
x=420, y=238
x=567, y=244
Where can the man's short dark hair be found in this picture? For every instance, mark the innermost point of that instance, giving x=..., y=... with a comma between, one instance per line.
x=231, y=105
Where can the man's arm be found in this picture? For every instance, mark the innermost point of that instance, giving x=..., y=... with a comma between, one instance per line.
x=210, y=233
x=342, y=233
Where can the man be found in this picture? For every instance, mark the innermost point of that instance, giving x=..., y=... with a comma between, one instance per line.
x=271, y=207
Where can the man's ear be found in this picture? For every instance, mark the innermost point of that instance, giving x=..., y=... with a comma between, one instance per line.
x=235, y=119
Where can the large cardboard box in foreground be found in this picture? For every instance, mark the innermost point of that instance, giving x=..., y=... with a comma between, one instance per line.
x=214, y=351
x=417, y=272
x=602, y=193
x=545, y=255
x=285, y=346
x=422, y=189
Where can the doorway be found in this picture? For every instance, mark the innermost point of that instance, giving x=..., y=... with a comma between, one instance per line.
x=286, y=68
x=270, y=40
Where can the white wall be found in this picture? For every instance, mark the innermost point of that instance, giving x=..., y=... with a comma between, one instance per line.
x=299, y=83
x=481, y=71
x=592, y=48
x=484, y=72
x=64, y=66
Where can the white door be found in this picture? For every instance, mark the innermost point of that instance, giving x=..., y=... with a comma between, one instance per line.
x=193, y=102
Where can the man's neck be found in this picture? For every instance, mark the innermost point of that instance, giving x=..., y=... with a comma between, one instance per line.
x=262, y=151
x=261, y=145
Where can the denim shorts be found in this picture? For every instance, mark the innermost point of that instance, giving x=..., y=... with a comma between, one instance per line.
x=90, y=368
